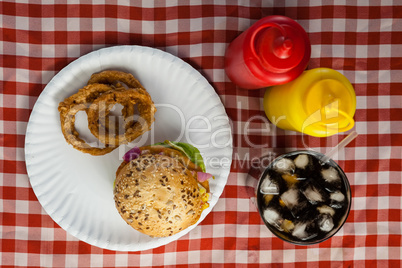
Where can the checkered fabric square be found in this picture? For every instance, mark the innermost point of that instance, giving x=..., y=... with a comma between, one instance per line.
x=361, y=39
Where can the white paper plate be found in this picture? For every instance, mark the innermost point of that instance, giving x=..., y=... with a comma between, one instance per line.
x=75, y=188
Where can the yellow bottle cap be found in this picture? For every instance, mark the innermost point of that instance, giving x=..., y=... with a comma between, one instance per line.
x=330, y=104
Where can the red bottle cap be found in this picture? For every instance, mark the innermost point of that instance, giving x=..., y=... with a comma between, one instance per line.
x=278, y=53
x=273, y=51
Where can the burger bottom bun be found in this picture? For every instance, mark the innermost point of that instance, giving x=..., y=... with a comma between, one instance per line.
x=157, y=195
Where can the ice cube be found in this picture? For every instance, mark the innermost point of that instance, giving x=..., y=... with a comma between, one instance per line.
x=326, y=210
x=284, y=165
x=337, y=199
x=325, y=222
x=330, y=175
x=273, y=218
x=290, y=197
x=301, y=161
x=296, y=204
x=300, y=231
x=313, y=194
x=268, y=186
x=337, y=196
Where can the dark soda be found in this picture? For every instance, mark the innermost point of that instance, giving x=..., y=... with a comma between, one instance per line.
x=303, y=200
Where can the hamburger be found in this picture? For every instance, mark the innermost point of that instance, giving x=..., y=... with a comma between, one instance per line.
x=162, y=189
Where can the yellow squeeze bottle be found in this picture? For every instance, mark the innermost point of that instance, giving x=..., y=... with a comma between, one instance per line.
x=320, y=102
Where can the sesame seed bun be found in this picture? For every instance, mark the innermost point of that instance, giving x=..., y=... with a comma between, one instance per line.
x=157, y=195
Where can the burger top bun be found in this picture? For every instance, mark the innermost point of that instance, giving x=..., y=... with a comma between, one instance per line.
x=157, y=195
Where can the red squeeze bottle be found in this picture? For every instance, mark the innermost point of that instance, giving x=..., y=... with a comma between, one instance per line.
x=273, y=51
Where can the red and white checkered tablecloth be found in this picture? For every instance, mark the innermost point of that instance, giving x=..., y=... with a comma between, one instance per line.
x=361, y=39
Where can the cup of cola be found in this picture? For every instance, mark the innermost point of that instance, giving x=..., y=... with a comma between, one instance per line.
x=301, y=199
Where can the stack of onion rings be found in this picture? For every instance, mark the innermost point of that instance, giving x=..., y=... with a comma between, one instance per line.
x=125, y=97
x=103, y=91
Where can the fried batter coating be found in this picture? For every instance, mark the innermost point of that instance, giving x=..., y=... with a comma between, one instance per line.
x=95, y=100
x=113, y=77
x=68, y=108
x=102, y=105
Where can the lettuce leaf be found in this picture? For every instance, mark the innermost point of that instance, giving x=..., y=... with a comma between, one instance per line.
x=188, y=150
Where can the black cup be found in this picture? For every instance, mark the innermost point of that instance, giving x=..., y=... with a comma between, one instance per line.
x=309, y=211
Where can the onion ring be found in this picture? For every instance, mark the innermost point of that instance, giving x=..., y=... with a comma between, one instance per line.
x=85, y=95
x=100, y=87
x=127, y=97
x=92, y=91
x=112, y=77
x=68, y=108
